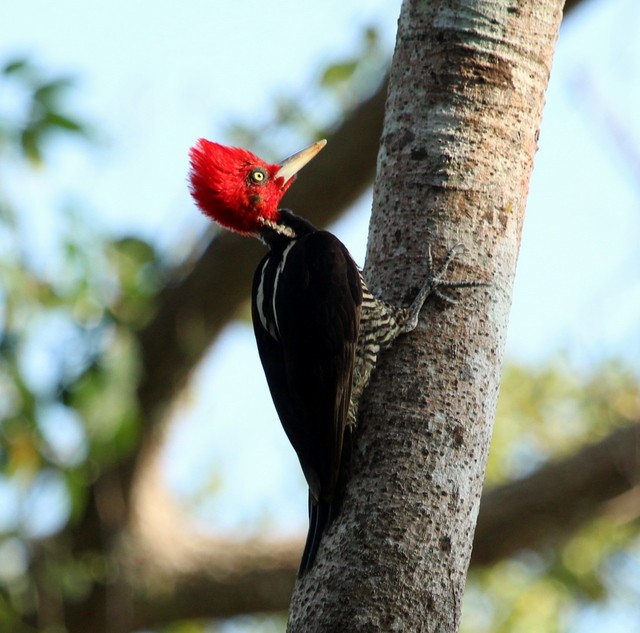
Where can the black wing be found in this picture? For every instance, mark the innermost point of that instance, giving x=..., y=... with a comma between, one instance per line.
x=306, y=324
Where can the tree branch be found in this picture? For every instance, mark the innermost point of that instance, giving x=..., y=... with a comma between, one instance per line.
x=192, y=311
x=547, y=507
x=537, y=512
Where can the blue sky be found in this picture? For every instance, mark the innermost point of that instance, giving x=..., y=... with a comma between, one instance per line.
x=155, y=76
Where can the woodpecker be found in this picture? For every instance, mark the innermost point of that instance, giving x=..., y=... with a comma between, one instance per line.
x=318, y=328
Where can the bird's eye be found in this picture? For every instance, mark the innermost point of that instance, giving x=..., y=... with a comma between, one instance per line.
x=258, y=176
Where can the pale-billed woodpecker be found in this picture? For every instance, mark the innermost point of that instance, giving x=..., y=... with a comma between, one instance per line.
x=318, y=328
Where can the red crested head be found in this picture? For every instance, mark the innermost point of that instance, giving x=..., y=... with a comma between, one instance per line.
x=239, y=190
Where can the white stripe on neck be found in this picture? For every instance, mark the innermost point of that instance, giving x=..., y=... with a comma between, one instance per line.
x=279, y=270
x=280, y=229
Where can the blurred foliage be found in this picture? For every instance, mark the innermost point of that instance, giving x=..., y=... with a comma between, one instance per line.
x=38, y=113
x=68, y=358
x=549, y=411
x=240, y=624
x=545, y=413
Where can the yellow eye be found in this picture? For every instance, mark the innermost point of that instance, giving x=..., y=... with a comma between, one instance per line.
x=258, y=176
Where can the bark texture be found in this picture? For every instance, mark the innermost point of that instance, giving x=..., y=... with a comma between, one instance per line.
x=466, y=93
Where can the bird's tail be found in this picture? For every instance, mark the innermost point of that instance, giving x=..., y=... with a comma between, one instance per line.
x=322, y=513
x=319, y=519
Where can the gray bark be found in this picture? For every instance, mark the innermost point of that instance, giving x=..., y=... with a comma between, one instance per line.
x=466, y=92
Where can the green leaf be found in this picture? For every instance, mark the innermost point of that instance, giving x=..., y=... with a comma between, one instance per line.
x=30, y=141
x=135, y=250
x=338, y=73
x=48, y=93
x=371, y=38
x=54, y=119
x=15, y=66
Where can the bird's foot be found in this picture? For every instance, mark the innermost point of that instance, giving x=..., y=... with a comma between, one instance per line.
x=434, y=284
x=435, y=281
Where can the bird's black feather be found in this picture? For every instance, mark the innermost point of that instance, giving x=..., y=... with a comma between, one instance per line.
x=307, y=293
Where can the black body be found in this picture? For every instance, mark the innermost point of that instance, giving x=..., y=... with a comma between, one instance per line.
x=306, y=306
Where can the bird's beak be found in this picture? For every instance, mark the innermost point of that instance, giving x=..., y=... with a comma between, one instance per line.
x=289, y=167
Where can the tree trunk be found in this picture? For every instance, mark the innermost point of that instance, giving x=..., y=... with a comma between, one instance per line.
x=465, y=98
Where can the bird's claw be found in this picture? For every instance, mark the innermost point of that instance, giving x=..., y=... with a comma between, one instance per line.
x=436, y=279
x=444, y=297
x=434, y=284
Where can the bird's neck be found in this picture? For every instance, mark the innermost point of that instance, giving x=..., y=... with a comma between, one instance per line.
x=278, y=234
